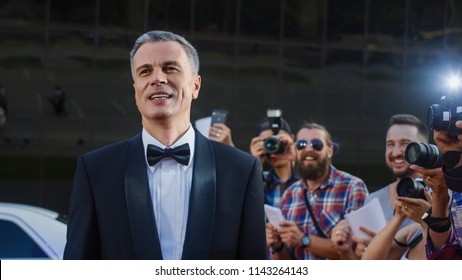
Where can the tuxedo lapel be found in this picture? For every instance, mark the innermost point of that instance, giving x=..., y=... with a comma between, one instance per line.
x=201, y=214
x=139, y=203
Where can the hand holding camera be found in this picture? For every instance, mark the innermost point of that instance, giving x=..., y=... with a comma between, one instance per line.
x=444, y=116
x=446, y=142
x=274, y=138
x=445, y=119
x=424, y=155
x=256, y=148
x=413, y=208
x=274, y=146
x=285, y=146
x=425, y=159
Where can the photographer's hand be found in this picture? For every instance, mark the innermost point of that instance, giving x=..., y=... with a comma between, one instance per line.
x=413, y=208
x=446, y=143
x=433, y=178
x=221, y=133
x=440, y=199
x=256, y=148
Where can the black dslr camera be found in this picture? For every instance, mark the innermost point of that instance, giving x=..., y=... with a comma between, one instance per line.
x=443, y=116
x=424, y=155
x=272, y=144
x=413, y=188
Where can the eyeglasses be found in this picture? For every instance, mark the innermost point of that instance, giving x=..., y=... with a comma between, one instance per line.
x=316, y=144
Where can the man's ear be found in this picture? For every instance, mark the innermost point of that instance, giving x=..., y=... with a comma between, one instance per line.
x=197, y=86
x=330, y=151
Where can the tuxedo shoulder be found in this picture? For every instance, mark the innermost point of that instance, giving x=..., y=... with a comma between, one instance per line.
x=108, y=150
x=224, y=150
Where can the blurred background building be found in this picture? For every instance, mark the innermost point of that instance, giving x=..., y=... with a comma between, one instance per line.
x=347, y=64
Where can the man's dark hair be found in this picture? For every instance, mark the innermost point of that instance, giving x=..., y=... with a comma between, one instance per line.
x=264, y=124
x=407, y=119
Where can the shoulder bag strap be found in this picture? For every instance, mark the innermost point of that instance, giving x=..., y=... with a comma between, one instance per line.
x=307, y=203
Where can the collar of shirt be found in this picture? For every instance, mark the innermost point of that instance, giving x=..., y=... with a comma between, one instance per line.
x=333, y=177
x=189, y=137
x=273, y=177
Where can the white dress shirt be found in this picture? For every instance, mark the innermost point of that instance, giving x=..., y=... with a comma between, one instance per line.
x=170, y=187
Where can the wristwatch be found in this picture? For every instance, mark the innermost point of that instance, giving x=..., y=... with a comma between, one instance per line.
x=306, y=241
x=436, y=224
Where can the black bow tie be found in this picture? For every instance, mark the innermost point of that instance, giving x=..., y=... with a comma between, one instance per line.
x=180, y=154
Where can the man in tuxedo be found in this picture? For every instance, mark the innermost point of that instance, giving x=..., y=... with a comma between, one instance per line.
x=168, y=192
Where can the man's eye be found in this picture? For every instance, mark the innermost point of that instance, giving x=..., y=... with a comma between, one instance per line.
x=170, y=69
x=405, y=144
x=143, y=72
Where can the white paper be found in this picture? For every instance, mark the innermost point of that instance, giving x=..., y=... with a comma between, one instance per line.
x=370, y=216
x=274, y=215
x=203, y=125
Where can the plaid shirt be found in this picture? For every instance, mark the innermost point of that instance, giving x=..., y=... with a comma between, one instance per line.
x=455, y=208
x=453, y=177
x=341, y=194
x=456, y=216
x=273, y=187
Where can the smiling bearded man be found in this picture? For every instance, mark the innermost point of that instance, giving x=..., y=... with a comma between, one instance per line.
x=328, y=192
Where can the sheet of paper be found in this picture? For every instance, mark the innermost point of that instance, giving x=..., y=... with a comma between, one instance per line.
x=203, y=125
x=370, y=216
x=274, y=215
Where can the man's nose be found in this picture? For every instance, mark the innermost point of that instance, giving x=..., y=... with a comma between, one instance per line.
x=397, y=150
x=158, y=77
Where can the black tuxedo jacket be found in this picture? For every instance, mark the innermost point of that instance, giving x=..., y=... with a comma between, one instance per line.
x=111, y=213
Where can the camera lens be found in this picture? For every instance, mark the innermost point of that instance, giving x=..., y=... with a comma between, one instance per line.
x=437, y=117
x=272, y=145
x=424, y=155
x=409, y=187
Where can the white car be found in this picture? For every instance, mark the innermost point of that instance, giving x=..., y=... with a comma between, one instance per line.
x=30, y=232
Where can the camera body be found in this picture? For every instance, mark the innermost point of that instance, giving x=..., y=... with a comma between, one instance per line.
x=413, y=188
x=272, y=144
x=443, y=116
x=424, y=155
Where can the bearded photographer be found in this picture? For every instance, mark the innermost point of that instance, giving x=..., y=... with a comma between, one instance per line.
x=444, y=219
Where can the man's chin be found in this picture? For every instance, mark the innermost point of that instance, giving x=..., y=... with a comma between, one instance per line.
x=402, y=173
x=278, y=162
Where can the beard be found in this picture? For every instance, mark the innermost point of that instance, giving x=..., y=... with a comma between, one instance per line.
x=313, y=172
x=402, y=174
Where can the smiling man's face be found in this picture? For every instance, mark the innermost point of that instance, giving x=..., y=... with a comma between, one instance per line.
x=398, y=137
x=164, y=82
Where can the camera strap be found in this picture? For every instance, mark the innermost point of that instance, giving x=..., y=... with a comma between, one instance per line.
x=411, y=244
x=307, y=203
